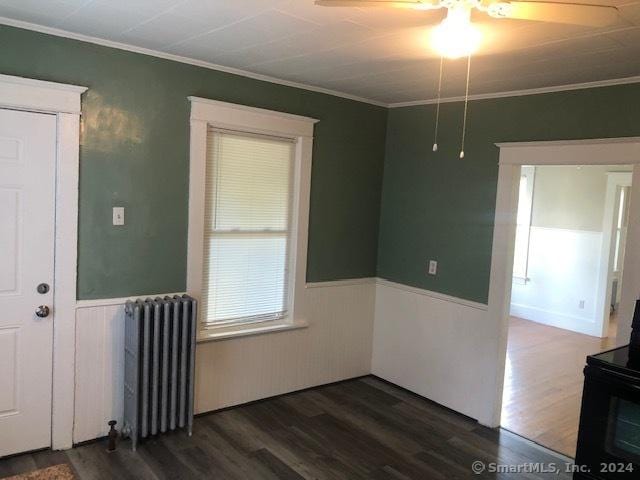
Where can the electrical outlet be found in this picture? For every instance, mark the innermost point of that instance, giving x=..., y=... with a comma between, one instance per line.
x=581, y=305
x=433, y=267
x=118, y=215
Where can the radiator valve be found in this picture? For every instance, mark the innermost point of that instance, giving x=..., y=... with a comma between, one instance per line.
x=113, y=436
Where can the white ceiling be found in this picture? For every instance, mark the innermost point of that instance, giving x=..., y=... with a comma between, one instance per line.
x=376, y=53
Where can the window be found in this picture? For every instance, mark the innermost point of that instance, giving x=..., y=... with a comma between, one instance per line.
x=248, y=204
x=523, y=227
x=249, y=183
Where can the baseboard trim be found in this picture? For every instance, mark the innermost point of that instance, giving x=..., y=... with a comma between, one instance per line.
x=583, y=325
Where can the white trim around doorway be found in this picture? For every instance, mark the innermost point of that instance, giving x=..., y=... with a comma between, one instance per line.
x=607, y=251
x=62, y=100
x=616, y=151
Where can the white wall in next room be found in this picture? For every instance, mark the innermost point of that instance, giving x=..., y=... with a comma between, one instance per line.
x=563, y=280
x=565, y=249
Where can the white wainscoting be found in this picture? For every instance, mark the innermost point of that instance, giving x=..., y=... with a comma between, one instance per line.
x=99, y=367
x=433, y=345
x=336, y=345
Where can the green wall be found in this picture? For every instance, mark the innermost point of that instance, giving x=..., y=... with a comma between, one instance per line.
x=134, y=153
x=436, y=206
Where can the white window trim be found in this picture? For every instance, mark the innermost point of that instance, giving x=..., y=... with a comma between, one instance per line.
x=63, y=101
x=207, y=113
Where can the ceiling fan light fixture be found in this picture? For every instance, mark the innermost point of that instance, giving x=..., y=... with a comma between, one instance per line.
x=456, y=36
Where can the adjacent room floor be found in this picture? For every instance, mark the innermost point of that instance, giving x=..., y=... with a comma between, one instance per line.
x=357, y=429
x=543, y=381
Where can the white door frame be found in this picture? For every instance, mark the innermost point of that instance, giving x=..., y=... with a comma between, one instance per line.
x=614, y=151
x=19, y=93
x=607, y=251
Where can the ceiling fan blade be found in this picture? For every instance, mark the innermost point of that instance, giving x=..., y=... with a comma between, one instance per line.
x=413, y=4
x=569, y=13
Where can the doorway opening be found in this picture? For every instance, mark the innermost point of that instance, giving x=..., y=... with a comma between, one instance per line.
x=566, y=284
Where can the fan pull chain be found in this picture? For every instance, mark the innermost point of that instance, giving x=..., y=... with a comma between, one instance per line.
x=466, y=105
x=435, y=135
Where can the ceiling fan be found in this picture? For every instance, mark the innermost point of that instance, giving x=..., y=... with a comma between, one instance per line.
x=456, y=36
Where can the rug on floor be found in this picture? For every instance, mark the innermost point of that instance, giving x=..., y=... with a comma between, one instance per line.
x=57, y=472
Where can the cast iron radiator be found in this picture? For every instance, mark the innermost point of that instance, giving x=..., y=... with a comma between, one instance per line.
x=160, y=341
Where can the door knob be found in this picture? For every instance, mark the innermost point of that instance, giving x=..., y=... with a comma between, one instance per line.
x=42, y=311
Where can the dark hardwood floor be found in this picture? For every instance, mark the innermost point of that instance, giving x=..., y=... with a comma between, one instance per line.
x=357, y=429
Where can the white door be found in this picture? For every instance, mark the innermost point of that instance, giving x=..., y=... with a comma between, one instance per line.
x=27, y=197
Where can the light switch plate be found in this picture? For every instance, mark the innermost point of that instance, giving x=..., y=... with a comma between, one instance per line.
x=118, y=215
x=433, y=267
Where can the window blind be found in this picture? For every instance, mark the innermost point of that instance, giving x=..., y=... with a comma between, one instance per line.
x=247, y=227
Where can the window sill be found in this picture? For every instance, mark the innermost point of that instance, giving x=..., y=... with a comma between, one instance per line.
x=226, y=333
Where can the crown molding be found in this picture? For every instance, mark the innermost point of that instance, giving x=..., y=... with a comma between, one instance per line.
x=178, y=58
x=312, y=88
x=522, y=93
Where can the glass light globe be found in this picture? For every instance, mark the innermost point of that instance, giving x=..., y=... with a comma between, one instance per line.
x=456, y=36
